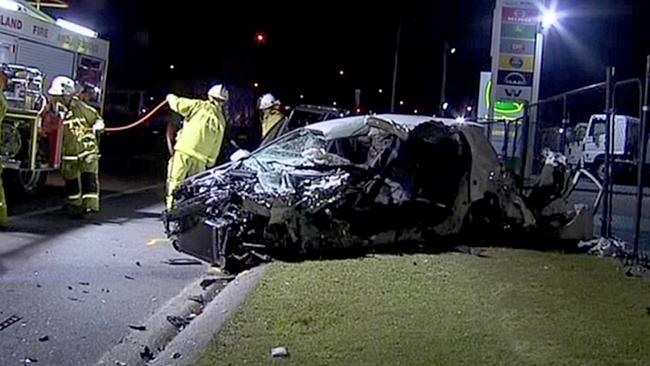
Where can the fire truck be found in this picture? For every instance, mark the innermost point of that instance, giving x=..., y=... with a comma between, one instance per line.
x=35, y=48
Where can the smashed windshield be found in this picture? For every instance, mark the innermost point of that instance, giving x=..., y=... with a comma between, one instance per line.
x=292, y=150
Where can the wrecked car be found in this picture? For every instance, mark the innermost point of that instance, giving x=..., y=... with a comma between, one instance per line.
x=358, y=182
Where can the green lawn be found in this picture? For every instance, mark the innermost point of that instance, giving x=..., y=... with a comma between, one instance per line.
x=514, y=307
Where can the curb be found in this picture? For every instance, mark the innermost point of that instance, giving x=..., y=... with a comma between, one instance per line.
x=164, y=340
x=193, y=341
x=159, y=331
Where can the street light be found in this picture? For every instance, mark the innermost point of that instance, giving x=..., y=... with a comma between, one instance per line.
x=469, y=108
x=549, y=18
x=341, y=72
x=256, y=85
x=401, y=102
x=302, y=96
x=443, y=87
x=380, y=91
x=445, y=105
x=172, y=67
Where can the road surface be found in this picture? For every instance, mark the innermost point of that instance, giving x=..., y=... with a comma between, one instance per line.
x=77, y=285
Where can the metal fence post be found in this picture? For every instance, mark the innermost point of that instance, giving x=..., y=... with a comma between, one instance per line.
x=605, y=221
x=641, y=161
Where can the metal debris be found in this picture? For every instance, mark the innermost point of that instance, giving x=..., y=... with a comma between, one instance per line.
x=146, y=354
x=178, y=322
x=182, y=262
x=278, y=352
x=197, y=299
x=137, y=327
x=208, y=282
x=604, y=247
x=44, y=339
x=9, y=322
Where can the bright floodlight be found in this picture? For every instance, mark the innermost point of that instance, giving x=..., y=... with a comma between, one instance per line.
x=76, y=28
x=549, y=18
x=9, y=5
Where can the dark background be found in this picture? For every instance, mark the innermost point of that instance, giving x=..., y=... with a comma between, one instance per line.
x=308, y=43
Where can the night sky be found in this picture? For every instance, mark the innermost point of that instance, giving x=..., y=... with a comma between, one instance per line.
x=308, y=45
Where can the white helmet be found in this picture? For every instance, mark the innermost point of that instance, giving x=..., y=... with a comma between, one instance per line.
x=218, y=91
x=62, y=86
x=267, y=101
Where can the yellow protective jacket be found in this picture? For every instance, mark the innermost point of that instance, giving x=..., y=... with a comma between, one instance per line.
x=203, y=130
x=3, y=112
x=78, y=139
x=270, y=120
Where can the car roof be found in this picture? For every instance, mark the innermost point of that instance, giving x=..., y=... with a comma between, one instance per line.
x=356, y=125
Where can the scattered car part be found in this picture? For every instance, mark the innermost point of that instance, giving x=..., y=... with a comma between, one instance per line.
x=9, y=322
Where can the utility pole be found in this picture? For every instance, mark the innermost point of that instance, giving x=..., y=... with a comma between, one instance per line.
x=397, y=42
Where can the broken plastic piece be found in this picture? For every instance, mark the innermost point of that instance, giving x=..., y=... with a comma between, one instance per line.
x=9, y=321
x=182, y=262
x=146, y=354
x=178, y=322
x=137, y=327
x=279, y=352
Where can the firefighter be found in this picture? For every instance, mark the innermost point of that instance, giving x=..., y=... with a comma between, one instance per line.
x=4, y=219
x=271, y=114
x=199, y=141
x=80, y=155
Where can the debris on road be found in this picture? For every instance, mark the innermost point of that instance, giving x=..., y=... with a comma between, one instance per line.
x=208, y=282
x=120, y=363
x=178, y=322
x=85, y=292
x=74, y=299
x=9, y=322
x=182, y=262
x=137, y=327
x=129, y=277
x=137, y=264
x=146, y=354
x=84, y=283
x=197, y=299
x=606, y=247
x=38, y=285
x=44, y=339
x=106, y=290
x=28, y=361
x=278, y=352
x=176, y=356
x=70, y=288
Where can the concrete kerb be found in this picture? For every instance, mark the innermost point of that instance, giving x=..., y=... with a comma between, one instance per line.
x=190, y=344
x=164, y=340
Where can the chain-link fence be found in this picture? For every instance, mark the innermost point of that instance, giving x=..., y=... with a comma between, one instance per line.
x=585, y=124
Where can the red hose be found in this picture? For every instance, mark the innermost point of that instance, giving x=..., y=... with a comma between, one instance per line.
x=138, y=122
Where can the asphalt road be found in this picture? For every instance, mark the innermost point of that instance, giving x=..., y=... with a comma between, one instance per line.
x=81, y=283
